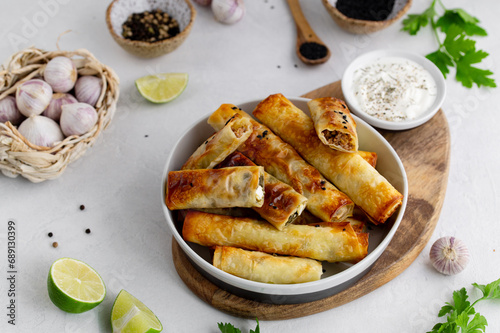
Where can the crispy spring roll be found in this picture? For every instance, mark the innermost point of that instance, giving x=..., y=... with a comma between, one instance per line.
x=334, y=243
x=209, y=188
x=349, y=172
x=358, y=224
x=282, y=204
x=264, y=267
x=282, y=161
x=220, y=145
x=334, y=124
x=369, y=156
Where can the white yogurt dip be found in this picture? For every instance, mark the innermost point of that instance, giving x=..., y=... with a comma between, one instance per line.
x=394, y=89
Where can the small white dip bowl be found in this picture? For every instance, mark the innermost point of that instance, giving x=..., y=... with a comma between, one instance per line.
x=349, y=91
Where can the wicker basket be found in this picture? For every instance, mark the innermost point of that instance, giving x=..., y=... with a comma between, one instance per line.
x=20, y=157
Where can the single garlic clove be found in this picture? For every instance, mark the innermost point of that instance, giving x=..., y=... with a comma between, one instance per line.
x=9, y=111
x=60, y=72
x=77, y=118
x=41, y=131
x=449, y=255
x=33, y=96
x=53, y=111
x=88, y=89
x=228, y=11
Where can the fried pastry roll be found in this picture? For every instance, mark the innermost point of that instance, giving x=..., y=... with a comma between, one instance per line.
x=369, y=156
x=282, y=161
x=220, y=188
x=263, y=267
x=334, y=124
x=220, y=145
x=349, y=172
x=282, y=204
x=334, y=243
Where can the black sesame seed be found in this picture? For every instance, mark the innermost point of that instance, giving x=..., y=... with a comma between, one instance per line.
x=323, y=182
x=345, y=127
x=82, y=207
x=343, y=106
x=191, y=184
x=87, y=231
x=234, y=107
x=50, y=234
x=343, y=229
x=323, y=188
x=317, y=225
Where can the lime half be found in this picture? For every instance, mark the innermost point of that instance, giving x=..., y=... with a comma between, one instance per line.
x=129, y=315
x=74, y=286
x=162, y=88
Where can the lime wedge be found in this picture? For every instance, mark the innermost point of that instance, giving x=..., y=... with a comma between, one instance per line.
x=74, y=286
x=129, y=315
x=162, y=88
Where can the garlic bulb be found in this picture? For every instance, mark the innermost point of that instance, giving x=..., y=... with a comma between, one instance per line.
x=203, y=2
x=41, y=131
x=33, y=96
x=88, y=89
x=77, y=118
x=228, y=11
x=449, y=255
x=9, y=111
x=61, y=74
x=53, y=111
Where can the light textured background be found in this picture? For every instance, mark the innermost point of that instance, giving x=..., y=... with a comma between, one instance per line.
x=118, y=180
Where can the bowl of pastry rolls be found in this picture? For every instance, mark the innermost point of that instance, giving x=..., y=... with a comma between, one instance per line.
x=283, y=200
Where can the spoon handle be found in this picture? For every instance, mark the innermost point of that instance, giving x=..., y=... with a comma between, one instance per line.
x=304, y=30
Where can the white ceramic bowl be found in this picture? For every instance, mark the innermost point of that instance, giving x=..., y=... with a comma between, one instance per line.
x=336, y=277
x=348, y=91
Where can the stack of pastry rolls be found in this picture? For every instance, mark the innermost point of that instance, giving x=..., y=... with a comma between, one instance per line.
x=269, y=211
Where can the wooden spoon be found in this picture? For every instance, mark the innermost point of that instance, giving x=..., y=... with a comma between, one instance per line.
x=307, y=38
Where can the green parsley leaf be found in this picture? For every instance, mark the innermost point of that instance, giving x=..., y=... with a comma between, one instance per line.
x=468, y=74
x=229, y=328
x=459, y=17
x=456, y=44
x=413, y=22
x=442, y=60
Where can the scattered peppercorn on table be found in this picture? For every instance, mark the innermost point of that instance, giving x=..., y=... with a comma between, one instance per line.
x=105, y=209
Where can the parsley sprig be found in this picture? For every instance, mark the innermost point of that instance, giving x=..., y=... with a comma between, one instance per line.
x=229, y=328
x=457, y=49
x=459, y=313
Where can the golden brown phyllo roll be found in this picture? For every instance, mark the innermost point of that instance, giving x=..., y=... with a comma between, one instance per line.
x=263, y=267
x=282, y=161
x=282, y=204
x=220, y=145
x=334, y=124
x=349, y=172
x=334, y=243
x=209, y=188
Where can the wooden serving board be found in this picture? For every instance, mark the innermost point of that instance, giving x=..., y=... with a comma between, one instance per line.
x=425, y=153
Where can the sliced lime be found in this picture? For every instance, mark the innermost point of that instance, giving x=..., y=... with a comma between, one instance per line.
x=129, y=315
x=74, y=286
x=162, y=88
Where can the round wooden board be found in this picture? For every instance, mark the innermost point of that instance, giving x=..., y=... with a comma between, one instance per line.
x=425, y=153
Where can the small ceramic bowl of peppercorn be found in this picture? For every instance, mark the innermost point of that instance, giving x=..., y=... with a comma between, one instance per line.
x=366, y=16
x=150, y=29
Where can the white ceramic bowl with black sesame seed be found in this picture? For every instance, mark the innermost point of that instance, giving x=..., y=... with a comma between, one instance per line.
x=337, y=276
x=367, y=111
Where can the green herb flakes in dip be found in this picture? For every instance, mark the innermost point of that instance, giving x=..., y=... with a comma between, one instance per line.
x=394, y=89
